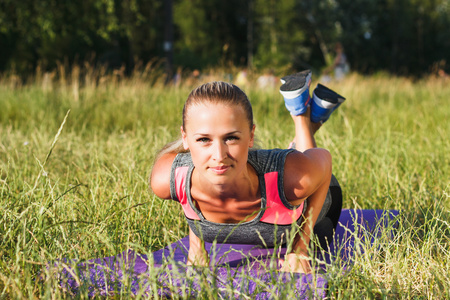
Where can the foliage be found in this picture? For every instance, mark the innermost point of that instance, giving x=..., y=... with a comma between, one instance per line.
x=402, y=36
x=49, y=31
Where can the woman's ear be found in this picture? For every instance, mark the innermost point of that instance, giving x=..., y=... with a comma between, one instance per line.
x=252, y=136
x=184, y=138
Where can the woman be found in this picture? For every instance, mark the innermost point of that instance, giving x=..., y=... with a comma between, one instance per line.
x=235, y=194
x=340, y=64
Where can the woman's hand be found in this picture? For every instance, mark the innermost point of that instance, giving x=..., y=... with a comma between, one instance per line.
x=295, y=263
x=197, y=257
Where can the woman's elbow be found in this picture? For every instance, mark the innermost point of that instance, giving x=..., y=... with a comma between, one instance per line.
x=328, y=161
x=159, y=180
x=159, y=187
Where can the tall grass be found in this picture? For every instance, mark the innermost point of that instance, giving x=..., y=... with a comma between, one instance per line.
x=84, y=194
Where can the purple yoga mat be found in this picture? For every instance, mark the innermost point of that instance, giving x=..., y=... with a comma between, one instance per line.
x=235, y=269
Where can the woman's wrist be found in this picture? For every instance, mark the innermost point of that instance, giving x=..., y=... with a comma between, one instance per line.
x=197, y=253
x=299, y=255
x=198, y=257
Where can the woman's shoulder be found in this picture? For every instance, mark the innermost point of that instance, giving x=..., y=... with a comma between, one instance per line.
x=264, y=153
x=182, y=159
x=268, y=160
x=305, y=171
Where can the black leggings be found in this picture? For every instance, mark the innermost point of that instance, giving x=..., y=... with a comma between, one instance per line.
x=325, y=228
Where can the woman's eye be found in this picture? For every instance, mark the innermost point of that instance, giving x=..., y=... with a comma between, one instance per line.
x=202, y=140
x=232, y=138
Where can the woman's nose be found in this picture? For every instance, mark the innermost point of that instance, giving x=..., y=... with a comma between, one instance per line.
x=220, y=151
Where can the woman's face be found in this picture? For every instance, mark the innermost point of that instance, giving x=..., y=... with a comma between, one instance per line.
x=218, y=137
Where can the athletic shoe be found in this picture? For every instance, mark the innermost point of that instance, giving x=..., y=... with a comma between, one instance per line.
x=295, y=91
x=324, y=102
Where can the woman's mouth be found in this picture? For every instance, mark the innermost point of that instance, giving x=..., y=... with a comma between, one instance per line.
x=219, y=170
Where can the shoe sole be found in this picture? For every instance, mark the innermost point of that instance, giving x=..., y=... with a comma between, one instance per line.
x=328, y=95
x=296, y=81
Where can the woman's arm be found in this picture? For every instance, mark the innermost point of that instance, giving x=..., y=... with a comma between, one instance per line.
x=160, y=184
x=160, y=176
x=197, y=255
x=336, y=61
x=310, y=167
x=307, y=175
x=312, y=185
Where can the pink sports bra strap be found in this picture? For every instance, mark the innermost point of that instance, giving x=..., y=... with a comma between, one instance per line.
x=276, y=212
x=180, y=186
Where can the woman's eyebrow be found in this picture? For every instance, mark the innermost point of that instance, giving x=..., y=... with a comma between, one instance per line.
x=208, y=134
x=201, y=134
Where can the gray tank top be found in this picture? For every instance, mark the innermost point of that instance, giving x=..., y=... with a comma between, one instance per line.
x=273, y=222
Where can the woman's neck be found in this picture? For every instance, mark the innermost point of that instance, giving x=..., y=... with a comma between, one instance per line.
x=238, y=201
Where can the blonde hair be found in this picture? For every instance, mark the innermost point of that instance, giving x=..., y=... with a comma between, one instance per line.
x=219, y=92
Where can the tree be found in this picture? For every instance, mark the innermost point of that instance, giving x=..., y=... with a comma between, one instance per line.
x=402, y=36
x=48, y=31
x=209, y=32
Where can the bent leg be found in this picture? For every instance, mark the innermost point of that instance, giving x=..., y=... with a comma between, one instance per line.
x=329, y=216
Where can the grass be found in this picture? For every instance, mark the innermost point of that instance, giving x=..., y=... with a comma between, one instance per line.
x=83, y=193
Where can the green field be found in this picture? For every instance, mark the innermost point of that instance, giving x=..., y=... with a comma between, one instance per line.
x=82, y=192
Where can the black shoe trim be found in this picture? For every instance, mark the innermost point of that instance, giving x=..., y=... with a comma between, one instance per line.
x=327, y=94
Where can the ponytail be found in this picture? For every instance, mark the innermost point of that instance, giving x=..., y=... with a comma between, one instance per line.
x=172, y=147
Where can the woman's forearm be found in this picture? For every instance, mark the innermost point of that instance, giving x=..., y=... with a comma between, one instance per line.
x=197, y=254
